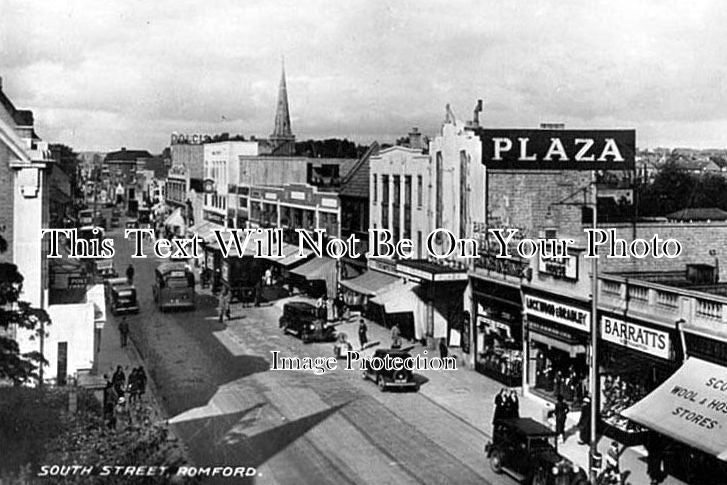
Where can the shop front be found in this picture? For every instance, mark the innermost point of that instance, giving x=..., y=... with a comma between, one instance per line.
x=634, y=357
x=498, y=331
x=557, y=336
x=686, y=417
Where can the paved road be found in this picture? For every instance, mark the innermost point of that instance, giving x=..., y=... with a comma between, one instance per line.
x=293, y=427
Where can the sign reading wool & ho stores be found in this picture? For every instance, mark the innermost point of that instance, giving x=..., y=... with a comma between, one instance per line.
x=541, y=149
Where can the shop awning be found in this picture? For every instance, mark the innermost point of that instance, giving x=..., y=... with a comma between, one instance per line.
x=370, y=283
x=175, y=219
x=315, y=269
x=204, y=230
x=398, y=298
x=319, y=269
x=290, y=253
x=690, y=407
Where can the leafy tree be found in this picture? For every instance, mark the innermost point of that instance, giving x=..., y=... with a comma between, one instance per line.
x=16, y=366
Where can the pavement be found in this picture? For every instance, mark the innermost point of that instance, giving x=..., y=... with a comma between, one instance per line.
x=470, y=396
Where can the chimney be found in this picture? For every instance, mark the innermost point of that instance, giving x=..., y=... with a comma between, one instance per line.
x=415, y=139
x=123, y=149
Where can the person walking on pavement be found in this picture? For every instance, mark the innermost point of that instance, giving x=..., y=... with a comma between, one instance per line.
x=119, y=381
x=124, y=332
x=363, y=339
x=443, y=350
x=560, y=412
x=395, y=337
x=130, y=274
x=513, y=405
x=224, y=305
x=499, y=407
x=585, y=422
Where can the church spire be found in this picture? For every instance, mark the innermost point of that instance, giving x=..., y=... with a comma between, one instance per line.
x=282, y=138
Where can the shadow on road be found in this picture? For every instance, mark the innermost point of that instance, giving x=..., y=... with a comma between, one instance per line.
x=217, y=445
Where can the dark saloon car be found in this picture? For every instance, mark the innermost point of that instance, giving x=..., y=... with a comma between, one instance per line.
x=528, y=451
x=300, y=319
x=123, y=300
x=388, y=377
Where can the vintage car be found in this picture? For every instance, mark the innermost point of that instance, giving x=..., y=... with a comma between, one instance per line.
x=110, y=283
x=114, y=221
x=300, y=319
x=123, y=299
x=528, y=451
x=103, y=269
x=388, y=378
x=132, y=224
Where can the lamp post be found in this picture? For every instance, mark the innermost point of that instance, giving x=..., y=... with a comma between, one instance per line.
x=594, y=331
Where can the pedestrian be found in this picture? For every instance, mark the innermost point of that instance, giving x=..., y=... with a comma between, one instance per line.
x=133, y=386
x=560, y=412
x=130, y=274
x=330, y=310
x=258, y=293
x=269, y=276
x=224, y=305
x=119, y=381
x=499, y=407
x=584, y=424
x=124, y=331
x=340, y=306
x=141, y=381
x=363, y=339
x=513, y=405
x=395, y=337
x=443, y=350
x=320, y=306
x=655, y=461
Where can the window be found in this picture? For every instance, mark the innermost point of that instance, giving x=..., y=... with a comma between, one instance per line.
x=385, y=201
x=420, y=191
x=396, y=206
x=439, y=207
x=375, y=189
x=419, y=244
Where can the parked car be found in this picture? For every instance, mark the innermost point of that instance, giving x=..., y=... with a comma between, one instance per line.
x=388, y=378
x=528, y=451
x=300, y=319
x=123, y=299
x=110, y=283
x=114, y=221
x=132, y=224
x=104, y=269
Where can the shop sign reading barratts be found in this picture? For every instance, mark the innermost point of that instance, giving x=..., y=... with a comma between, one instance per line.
x=558, y=149
x=558, y=312
x=633, y=336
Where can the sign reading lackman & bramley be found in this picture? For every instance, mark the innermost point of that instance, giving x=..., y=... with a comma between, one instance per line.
x=539, y=149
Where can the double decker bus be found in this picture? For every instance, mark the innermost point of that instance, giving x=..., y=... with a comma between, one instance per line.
x=174, y=287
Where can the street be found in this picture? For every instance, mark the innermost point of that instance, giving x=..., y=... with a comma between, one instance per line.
x=215, y=385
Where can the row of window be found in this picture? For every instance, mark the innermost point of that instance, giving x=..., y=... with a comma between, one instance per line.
x=397, y=189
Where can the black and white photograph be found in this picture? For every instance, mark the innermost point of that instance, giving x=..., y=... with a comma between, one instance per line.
x=363, y=242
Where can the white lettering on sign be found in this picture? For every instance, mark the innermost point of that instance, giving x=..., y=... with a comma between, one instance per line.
x=559, y=267
x=556, y=150
x=633, y=336
x=271, y=196
x=326, y=202
x=558, y=312
x=297, y=195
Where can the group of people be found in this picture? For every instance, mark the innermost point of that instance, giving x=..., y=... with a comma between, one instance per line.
x=120, y=391
x=330, y=309
x=507, y=405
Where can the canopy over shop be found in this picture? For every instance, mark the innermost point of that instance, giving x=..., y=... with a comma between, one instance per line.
x=174, y=224
x=689, y=407
x=358, y=290
x=317, y=277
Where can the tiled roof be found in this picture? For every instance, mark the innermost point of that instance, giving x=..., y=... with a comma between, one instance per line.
x=698, y=214
x=127, y=155
x=356, y=182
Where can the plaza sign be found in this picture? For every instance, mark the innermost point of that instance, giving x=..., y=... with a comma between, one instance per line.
x=558, y=149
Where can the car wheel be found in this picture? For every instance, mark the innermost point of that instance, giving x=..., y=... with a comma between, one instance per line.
x=539, y=478
x=381, y=383
x=496, y=461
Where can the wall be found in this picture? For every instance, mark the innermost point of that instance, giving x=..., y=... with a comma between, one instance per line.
x=272, y=170
x=73, y=324
x=7, y=200
x=191, y=157
x=401, y=161
x=697, y=239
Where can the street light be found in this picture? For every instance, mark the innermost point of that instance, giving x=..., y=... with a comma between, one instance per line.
x=593, y=374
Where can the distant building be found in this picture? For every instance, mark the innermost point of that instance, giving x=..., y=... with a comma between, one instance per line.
x=282, y=138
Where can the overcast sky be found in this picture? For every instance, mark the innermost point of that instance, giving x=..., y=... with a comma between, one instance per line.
x=100, y=75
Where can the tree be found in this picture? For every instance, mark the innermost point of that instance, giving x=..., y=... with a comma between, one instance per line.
x=14, y=365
